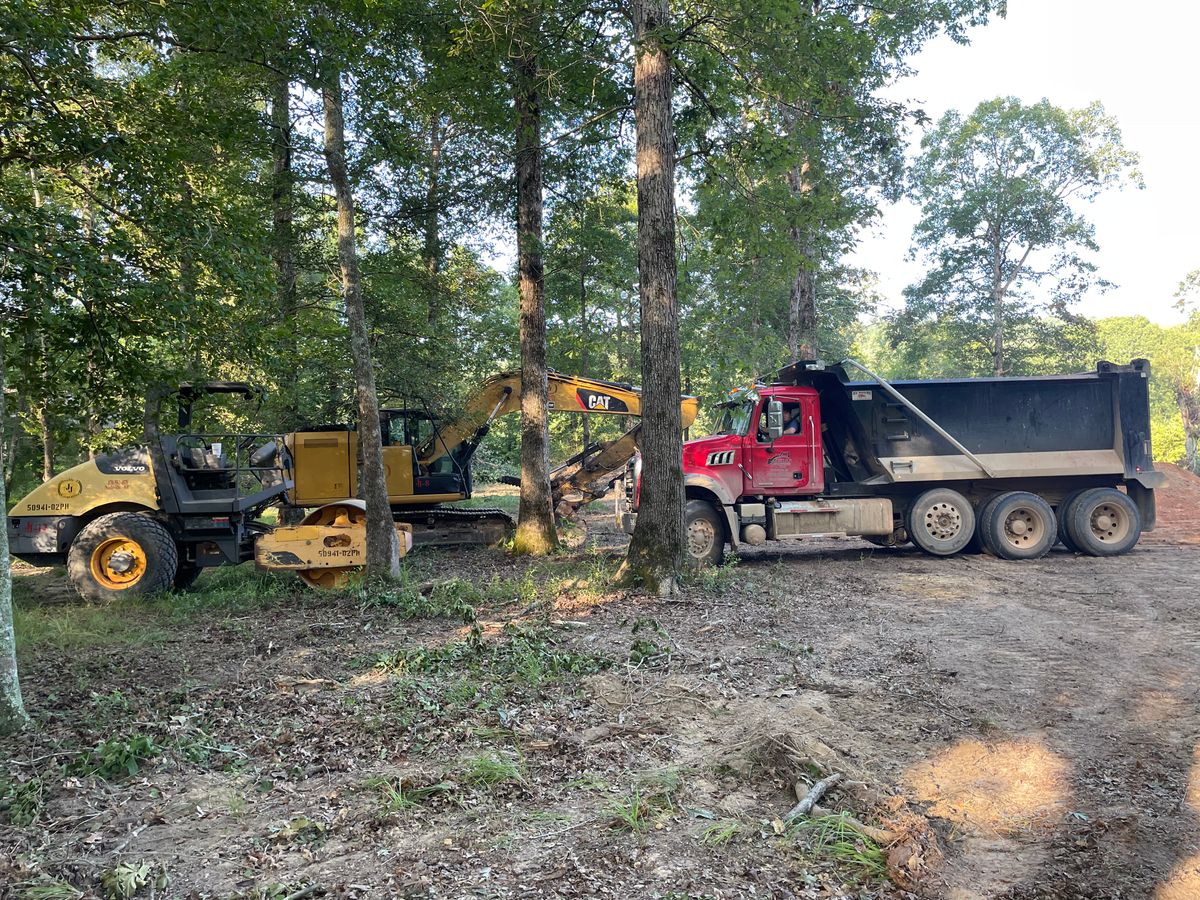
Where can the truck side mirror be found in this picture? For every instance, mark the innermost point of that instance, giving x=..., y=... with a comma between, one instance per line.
x=774, y=420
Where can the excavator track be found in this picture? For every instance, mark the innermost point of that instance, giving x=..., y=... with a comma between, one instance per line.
x=449, y=525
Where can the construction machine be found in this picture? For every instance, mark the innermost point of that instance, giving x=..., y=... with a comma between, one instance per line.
x=149, y=518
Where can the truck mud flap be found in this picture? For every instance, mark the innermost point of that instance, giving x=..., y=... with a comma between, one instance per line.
x=1143, y=499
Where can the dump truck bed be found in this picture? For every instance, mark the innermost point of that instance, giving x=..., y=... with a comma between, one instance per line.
x=1095, y=423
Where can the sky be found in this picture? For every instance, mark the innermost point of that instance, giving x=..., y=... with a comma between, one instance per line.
x=1141, y=63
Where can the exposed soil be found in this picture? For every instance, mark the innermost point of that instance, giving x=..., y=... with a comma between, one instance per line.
x=1178, y=506
x=1026, y=730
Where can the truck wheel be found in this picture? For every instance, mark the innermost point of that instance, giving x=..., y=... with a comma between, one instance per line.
x=1104, y=522
x=122, y=554
x=703, y=535
x=1018, y=525
x=1064, y=516
x=941, y=522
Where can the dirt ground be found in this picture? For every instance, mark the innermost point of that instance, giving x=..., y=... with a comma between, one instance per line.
x=1016, y=730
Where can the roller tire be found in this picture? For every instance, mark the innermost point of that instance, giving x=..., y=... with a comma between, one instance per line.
x=941, y=522
x=1084, y=522
x=185, y=576
x=703, y=535
x=1002, y=516
x=159, y=556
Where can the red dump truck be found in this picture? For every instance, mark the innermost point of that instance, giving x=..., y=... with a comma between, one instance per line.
x=1014, y=465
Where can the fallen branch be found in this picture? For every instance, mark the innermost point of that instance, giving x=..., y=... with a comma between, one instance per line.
x=881, y=836
x=815, y=793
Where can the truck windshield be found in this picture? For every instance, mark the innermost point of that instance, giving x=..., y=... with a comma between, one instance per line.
x=734, y=418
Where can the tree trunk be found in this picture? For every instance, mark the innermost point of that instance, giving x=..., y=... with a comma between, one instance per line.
x=585, y=360
x=433, y=235
x=1188, y=398
x=43, y=417
x=12, y=710
x=284, y=238
x=656, y=549
x=535, y=523
x=382, y=546
x=802, y=298
x=997, y=311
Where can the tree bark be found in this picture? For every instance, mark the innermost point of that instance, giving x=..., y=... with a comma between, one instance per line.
x=43, y=417
x=1188, y=399
x=284, y=235
x=535, y=521
x=433, y=234
x=997, y=310
x=382, y=543
x=656, y=550
x=12, y=709
x=802, y=298
x=585, y=361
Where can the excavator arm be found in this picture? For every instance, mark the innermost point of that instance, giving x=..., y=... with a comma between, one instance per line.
x=501, y=394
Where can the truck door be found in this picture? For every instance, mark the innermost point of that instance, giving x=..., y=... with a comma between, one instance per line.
x=791, y=464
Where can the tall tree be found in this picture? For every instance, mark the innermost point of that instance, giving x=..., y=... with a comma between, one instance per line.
x=1000, y=225
x=283, y=228
x=656, y=549
x=12, y=709
x=382, y=550
x=535, y=523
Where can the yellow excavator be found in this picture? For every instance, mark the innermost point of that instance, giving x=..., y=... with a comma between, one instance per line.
x=146, y=519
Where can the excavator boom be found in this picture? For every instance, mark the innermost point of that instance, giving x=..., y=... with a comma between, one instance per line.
x=501, y=394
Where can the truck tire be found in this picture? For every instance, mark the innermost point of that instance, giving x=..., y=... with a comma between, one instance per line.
x=941, y=522
x=122, y=554
x=703, y=535
x=1104, y=522
x=1018, y=525
x=1063, y=513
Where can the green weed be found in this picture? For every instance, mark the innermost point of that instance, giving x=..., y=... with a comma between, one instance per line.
x=397, y=795
x=122, y=882
x=300, y=830
x=590, y=783
x=832, y=837
x=715, y=580
x=651, y=799
x=22, y=801
x=48, y=890
x=491, y=769
x=718, y=834
x=116, y=757
x=529, y=656
x=646, y=651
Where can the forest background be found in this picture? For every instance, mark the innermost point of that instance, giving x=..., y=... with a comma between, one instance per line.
x=166, y=213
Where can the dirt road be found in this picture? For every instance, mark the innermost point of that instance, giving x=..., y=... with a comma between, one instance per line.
x=1026, y=730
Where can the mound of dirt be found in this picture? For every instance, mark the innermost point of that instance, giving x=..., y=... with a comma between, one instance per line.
x=1178, y=506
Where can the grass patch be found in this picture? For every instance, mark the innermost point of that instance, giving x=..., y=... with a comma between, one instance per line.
x=489, y=770
x=401, y=795
x=718, y=834
x=831, y=837
x=141, y=621
x=648, y=802
x=715, y=580
x=121, y=623
x=449, y=682
x=528, y=656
